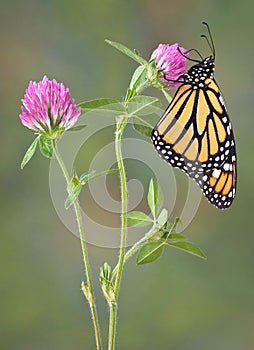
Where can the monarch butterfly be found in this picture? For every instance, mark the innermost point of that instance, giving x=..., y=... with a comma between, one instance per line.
x=195, y=133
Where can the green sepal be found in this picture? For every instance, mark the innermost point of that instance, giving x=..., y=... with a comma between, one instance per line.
x=46, y=147
x=188, y=247
x=149, y=252
x=154, y=197
x=30, y=152
x=134, y=54
x=137, y=218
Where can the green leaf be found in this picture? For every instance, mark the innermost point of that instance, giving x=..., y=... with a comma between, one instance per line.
x=105, y=103
x=146, y=100
x=73, y=195
x=150, y=252
x=143, y=129
x=174, y=225
x=134, y=54
x=46, y=147
x=168, y=97
x=176, y=236
x=137, y=218
x=154, y=197
x=163, y=217
x=189, y=248
x=129, y=94
x=77, y=128
x=85, y=177
x=138, y=77
x=138, y=83
x=30, y=152
x=142, y=104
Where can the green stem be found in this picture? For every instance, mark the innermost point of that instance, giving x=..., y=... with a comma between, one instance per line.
x=129, y=253
x=120, y=126
x=134, y=249
x=112, y=325
x=123, y=183
x=89, y=290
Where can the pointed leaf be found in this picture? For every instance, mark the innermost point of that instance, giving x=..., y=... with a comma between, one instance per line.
x=168, y=97
x=150, y=252
x=86, y=176
x=138, y=83
x=30, y=152
x=77, y=128
x=141, y=105
x=176, y=236
x=146, y=100
x=74, y=193
x=189, y=248
x=137, y=218
x=102, y=103
x=132, y=54
x=46, y=147
x=163, y=217
x=174, y=225
x=143, y=129
x=130, y=93
x=138, y=78
x=154, y=197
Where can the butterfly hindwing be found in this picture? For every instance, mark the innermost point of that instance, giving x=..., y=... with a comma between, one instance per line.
x=195, y=135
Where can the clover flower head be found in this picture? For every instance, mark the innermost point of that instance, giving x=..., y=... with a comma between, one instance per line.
x=170, y=63
x=47, y=108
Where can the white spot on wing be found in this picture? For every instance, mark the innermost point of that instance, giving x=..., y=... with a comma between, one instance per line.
x=226, y=166
x=216, y=173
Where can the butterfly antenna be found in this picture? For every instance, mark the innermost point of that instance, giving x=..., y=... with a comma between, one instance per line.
x=187, y=57
x=210, y=43
x=197, y=52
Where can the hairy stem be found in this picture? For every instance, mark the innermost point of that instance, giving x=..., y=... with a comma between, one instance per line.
x=87, y=289
x=123, y=183
x=120, y=125
x=112, y=325
x=130, y=252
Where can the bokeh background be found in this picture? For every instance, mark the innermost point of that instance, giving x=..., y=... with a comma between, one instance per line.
x=179, y=302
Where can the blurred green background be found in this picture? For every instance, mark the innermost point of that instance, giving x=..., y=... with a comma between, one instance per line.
x=180, y=302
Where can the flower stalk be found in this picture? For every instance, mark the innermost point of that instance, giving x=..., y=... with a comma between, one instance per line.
x=86, y=288
x=120, y=126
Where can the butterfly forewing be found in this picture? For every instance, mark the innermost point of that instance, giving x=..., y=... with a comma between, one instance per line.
x=195, y=135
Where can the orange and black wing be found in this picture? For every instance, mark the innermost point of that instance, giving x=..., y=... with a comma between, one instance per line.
x=195, y=135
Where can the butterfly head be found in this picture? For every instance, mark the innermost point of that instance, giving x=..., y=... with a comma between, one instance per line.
x=204, y=67
x=201, y=71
